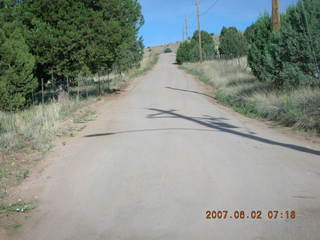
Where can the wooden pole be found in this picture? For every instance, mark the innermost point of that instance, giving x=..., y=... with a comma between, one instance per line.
x=78, y=90
x=199, y=30
x=187, y=29
x=276, y=22
x=68, y=85
x=182, y=33
x=42, y=91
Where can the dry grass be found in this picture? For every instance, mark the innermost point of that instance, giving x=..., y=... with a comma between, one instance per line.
x=237, y=87
x=150, y=59
x=220, y=73
x=26, y=135
x=159, y=49
x=34, y=128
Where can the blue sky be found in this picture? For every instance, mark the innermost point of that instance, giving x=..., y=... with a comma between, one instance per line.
x=164, y=18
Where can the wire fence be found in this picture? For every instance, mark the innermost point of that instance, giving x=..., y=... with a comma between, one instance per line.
x=81, y=87
x=241, y=61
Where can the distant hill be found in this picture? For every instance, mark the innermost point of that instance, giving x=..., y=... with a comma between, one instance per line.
x=159, y=49
x=174, y=46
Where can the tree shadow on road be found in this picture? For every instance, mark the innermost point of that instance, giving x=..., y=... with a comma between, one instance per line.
x=227, y=129
x=190, y=91
x=212, y=124
x=211, y=121
x=147, y=130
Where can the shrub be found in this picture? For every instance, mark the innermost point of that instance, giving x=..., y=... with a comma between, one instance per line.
x=289, y=58
x=236, y=87
x=208, y=45
x=167, y=50
x=300, y=44
x=16, y=69
x=189, y=51
x=259, y=38
x=232, y=43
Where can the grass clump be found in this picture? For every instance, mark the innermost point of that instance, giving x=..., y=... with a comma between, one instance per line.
x=236, y=87
x=85, y=116
x=150, y=59
x=34, y=128
x=21, y=207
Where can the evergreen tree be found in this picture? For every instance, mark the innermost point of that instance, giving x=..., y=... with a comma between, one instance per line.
x=259, y=39
x=291, y=57
x=16, y=69
x=69, y=35
x=232, y=43
x=189, y=51
x=208, y=45
x=300, y=45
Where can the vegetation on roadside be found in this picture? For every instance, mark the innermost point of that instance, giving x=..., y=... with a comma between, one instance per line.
x=288, y=59
x=150, y=59
x=235, y=86
x=233, y=43
x=18, y=207
x=188, y=51
x=26, y=135
x=167, y=50
x=280, y=78
x=34, y=130
x=54, y=40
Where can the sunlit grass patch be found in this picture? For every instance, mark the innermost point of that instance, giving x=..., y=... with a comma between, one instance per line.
x=237, y=87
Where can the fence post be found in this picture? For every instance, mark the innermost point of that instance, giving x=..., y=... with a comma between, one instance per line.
x=86, y=87
x=68, y=85
x=78, y=90
x=99, y=85
x=42, y=91
x=53, y=87
x=33, y=100
x=108, y=80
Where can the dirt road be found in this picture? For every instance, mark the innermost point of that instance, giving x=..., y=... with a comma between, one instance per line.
x=161, y=155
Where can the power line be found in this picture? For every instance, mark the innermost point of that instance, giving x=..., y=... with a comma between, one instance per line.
x=192, y=23
x=209, y=8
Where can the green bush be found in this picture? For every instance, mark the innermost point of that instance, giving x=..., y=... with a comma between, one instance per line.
x=188, y=51
x=67, y=36
x=259, y=38
x=300, y=44
x=208, y=45
x=167, y=50
x=289, y=58
x=16, y=70
x=232, y=43
x=55, y=40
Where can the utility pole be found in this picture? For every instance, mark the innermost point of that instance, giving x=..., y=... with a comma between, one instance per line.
x=187, y=29
x=276, y=22
x=199, y=29
x=183, y=33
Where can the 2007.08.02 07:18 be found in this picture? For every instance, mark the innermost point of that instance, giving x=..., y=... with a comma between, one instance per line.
x=255, y=214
